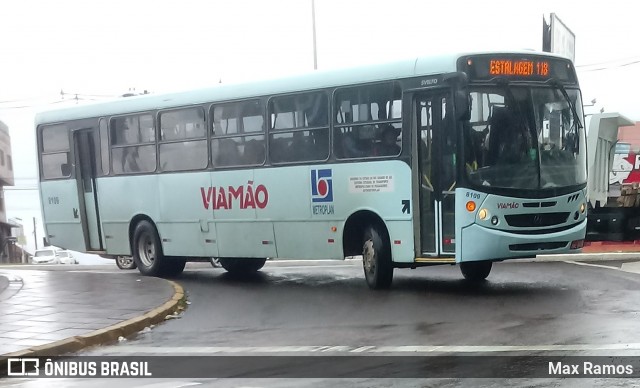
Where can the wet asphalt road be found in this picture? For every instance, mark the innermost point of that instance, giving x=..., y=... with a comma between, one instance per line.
x=521, y=304
x=523, y=308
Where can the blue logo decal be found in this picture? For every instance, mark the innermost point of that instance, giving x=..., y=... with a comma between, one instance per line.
x=321, y=185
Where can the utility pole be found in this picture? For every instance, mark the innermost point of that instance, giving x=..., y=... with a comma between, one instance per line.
x=35, y=237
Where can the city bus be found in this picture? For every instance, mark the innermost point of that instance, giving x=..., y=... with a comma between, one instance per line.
x=463, y=159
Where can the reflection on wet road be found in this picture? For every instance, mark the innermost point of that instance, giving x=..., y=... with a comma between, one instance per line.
x=552, y=308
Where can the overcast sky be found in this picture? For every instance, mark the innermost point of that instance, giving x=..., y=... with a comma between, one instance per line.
x=98, y=48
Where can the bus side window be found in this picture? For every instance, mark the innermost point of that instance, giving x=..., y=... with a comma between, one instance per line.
x=228, y=153
x=361, y=113
x=254, y=152
x=130, y=159
x=355, y=147
x=299, y=127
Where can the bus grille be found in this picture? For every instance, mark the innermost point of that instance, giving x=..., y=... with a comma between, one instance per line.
x=536, y=219
x=538, y=246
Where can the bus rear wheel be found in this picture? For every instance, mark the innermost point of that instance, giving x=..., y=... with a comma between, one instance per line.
x=148, y=255
x=376, y=260
x=242, y=266
x=475, y=271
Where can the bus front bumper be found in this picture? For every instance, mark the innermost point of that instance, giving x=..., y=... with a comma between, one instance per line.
x=479, y=243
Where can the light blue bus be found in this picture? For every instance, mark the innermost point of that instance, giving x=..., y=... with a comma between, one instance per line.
x=454, y=159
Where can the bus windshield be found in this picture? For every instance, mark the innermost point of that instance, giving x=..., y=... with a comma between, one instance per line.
x=522, y=137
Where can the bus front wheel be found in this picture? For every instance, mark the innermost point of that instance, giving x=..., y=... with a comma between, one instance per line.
x=148, y=255
x=475, y=271
x=376, y=260
x=242, y=266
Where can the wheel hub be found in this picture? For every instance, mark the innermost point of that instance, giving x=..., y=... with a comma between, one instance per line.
x=147, y=250
x=368, y=255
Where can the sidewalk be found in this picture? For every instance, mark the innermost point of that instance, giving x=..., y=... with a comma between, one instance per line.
x=54, y=312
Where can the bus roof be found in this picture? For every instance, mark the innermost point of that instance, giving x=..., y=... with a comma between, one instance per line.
x=440, y=64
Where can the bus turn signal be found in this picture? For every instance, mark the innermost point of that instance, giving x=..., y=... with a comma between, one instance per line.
x=471, y=206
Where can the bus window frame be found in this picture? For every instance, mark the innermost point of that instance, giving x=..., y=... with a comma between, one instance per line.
x=328, y=95
x=211, y=136
x=104, y=120
x=396, y=85
x=42, y=153
x=160, y=142
x=116, y=146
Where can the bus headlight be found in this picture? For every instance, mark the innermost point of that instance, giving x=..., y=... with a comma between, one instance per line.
x=494, y=220
x=471, y=206
x=583, y=207
x=483, y=213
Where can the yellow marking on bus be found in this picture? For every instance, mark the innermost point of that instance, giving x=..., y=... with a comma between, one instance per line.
x=448, y=260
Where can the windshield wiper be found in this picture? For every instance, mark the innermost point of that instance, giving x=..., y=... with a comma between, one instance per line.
x=556, y=84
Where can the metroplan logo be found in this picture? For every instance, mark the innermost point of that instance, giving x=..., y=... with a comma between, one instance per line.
x=321, y=185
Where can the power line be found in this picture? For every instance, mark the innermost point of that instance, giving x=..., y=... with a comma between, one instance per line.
x=63, y=93
x=34, y=105
x=610, y=61
x=33, y=102
x=611, y=67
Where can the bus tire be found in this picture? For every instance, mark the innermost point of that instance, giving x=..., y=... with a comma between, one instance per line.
x=242, y=266
x=148, y=255
x=475, y=271
x=173, y=266
x=376, y=259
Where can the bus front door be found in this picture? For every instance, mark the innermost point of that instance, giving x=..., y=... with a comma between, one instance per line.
x=436, y=173
x=87, y=162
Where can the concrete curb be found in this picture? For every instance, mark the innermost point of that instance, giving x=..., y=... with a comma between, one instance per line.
x=106, y=335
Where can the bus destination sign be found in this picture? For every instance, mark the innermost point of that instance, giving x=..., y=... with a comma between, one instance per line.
x=523, y=68
x=517, y=68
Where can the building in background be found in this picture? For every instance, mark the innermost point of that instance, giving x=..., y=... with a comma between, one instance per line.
x=6, y=179
x=17, y=241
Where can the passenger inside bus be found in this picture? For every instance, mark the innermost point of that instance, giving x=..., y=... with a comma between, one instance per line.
x=352, y=146
x=320, y=143
x=511, y=149
x=502, y=148
x=388, y=144
x=299, y=148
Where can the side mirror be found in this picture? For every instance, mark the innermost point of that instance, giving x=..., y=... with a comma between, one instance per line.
x=463, y=107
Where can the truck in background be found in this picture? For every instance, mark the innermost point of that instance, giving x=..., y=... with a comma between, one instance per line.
x=613, y=178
